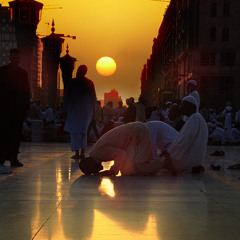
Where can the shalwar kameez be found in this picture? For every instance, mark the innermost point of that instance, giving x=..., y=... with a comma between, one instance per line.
x=130, y=147
x=161, y=135
x=79, y=103
x=189, y=147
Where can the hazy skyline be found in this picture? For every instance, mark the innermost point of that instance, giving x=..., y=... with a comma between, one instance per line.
x=121, y=29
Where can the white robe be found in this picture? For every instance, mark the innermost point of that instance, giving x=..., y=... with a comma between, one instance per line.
x=79, y=105
x=197, y=97
x=189, y=148
x=228, y=128
x=130, y=147
x=161, y=136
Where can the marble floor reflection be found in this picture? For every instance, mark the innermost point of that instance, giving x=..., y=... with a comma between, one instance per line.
x=49, y=198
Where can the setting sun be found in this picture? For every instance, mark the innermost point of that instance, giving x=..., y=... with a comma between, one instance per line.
x=106, y=66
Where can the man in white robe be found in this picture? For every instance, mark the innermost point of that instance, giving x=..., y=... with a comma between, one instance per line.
x=161, y=136
x=130, y=147
x=79, y=104
x=189, y=147
x=192, y=91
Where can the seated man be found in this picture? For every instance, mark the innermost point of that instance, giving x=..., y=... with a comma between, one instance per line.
x=188, y=149
x=130, y=147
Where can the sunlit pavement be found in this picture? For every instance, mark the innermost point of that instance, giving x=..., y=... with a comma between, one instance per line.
x=49, y=198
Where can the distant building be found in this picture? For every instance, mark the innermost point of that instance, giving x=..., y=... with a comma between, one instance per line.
x=31, y=58
x=7, y=35
x=112, y=96
x=197, y=40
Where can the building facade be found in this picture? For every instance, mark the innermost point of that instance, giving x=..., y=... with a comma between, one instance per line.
x=196, y=40
x=7, y=35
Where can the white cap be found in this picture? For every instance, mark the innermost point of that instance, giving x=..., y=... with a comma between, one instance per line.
x=190, y=99
x=193, y=82
x=168, y=102
x=228, y=109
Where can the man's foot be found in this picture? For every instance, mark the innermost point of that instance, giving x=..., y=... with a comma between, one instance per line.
x=5, y=170
x=168, y=164
x=16, y=164
x=75, y=157
x=82, y=153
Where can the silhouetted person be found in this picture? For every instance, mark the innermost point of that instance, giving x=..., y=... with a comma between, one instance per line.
x=79, y=104
x=141, y=109
x=175, y=117
x=120, y=110
x=14, y=104
x=130, y=114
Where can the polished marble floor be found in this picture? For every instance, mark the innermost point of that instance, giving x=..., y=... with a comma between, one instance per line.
x=49, y=198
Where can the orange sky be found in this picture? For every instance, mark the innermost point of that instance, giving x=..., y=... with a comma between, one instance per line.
x=121, y=29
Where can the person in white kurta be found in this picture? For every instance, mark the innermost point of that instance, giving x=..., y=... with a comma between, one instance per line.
x=189, y=147
x=227, y=137
x=161, y=136
x=79, y=104
x=129, y=146
x=192, y=91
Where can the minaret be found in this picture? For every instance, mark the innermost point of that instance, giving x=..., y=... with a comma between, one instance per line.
x=52, y=48
x=67, y=65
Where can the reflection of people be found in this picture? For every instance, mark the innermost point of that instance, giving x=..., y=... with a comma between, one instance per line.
x=14, y=103
x=79, y=103
x=129, y=146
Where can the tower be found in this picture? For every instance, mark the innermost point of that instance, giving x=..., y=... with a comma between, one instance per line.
x=26, y=15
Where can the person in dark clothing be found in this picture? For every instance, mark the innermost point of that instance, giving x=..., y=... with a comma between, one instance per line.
x=14, y=104
x=176, y=117
x=130, y=114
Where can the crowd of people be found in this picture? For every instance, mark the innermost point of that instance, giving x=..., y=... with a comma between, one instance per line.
x=172, y=131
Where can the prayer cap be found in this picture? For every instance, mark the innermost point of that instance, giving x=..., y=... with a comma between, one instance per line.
x=228, y=109
x=190, y=99
x=193, y=82
x=168, y=102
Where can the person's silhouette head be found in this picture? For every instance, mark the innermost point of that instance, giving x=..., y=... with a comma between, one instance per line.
x=82, y=70
x=14, y=56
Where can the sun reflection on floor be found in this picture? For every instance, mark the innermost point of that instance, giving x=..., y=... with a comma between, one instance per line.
x=108, y=229
x=107, y=187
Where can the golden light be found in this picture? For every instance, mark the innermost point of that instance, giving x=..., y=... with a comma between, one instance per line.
x=107, y=187
x=106, y=66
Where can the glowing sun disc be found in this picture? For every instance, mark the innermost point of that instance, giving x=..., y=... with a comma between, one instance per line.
x=106, y=66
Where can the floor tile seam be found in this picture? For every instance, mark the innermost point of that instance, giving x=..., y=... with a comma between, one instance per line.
x=47, y=219
x=215, y=201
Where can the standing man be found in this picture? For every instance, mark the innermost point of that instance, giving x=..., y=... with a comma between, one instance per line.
x=79, y=104
x=192, y=91
x=14, y=104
